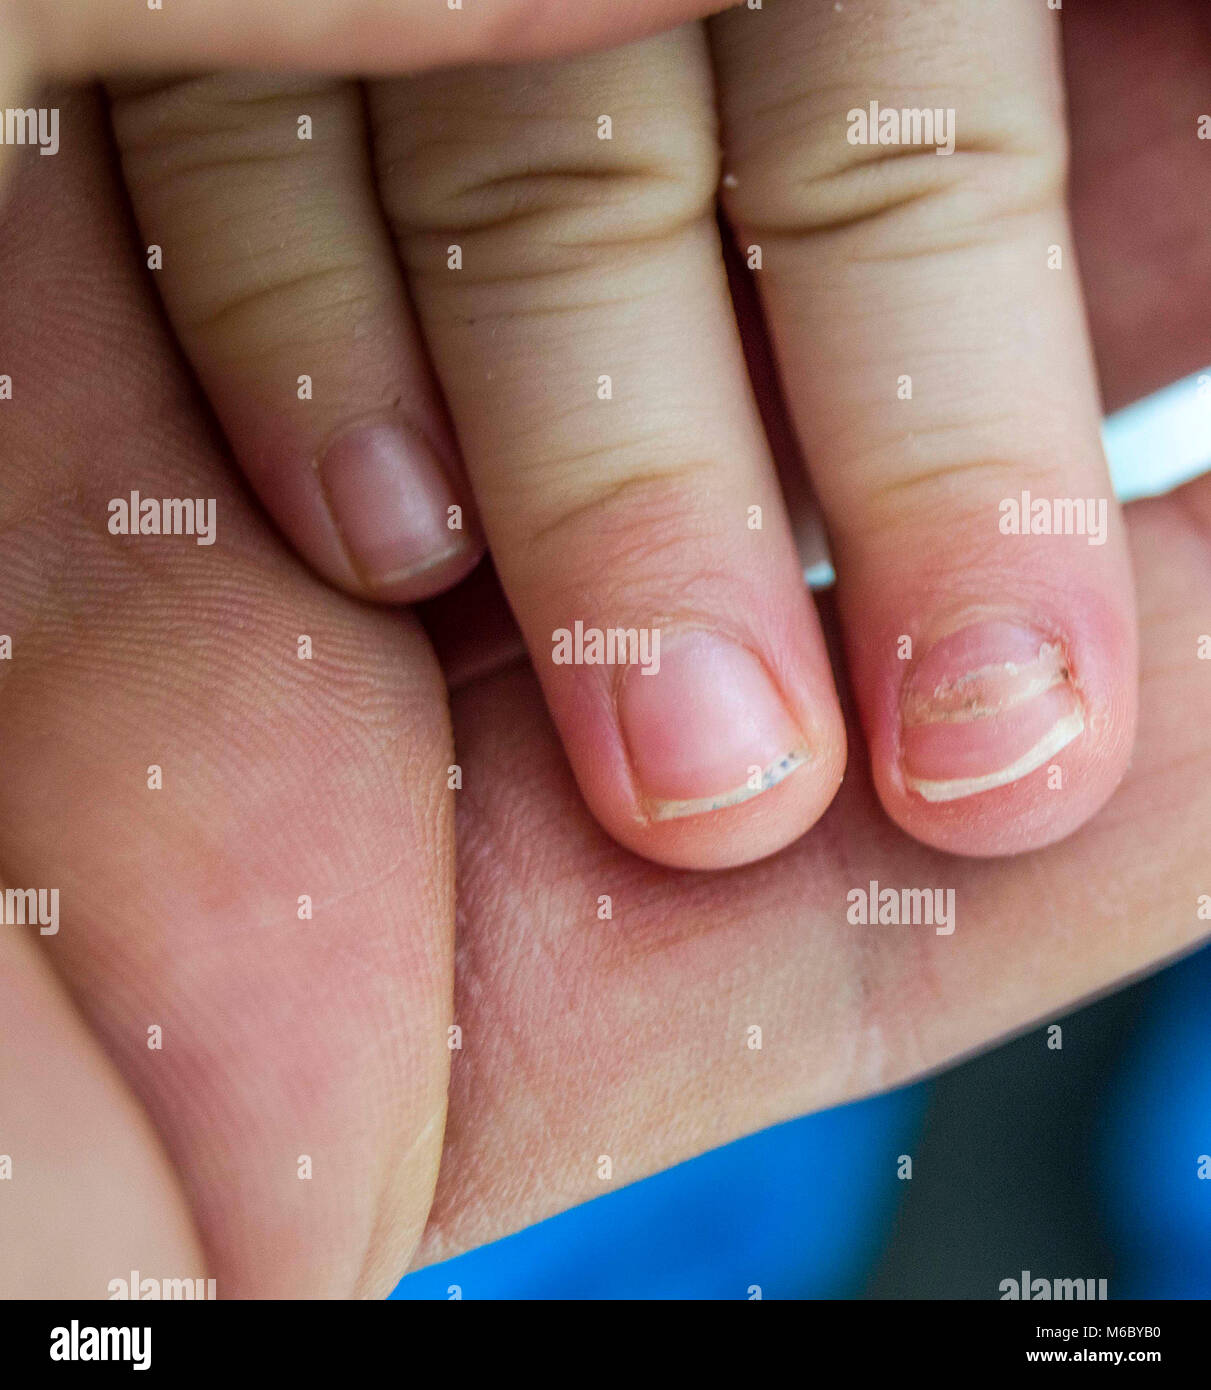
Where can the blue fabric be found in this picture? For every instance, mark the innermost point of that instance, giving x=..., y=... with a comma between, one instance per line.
x=1157, y=1125
x=799, y=1210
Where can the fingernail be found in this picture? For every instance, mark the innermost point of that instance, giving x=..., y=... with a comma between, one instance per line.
x=389, y=498
x=708, y=729
x=984, y=707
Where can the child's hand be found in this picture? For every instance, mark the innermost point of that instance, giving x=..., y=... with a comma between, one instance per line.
x=554, y=226
x=284, y=777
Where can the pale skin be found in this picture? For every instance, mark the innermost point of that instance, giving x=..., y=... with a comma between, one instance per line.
x=328, y=1037
x=490, y=303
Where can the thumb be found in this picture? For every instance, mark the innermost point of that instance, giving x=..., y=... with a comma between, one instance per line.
x=81, y=37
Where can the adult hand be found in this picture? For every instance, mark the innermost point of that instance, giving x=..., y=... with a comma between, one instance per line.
x=628, y=1037
x=285, y=1037
x=251, y=964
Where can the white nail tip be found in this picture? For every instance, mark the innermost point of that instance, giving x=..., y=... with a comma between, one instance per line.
x=1060, y=735
x=777, y=771
x=415, y=571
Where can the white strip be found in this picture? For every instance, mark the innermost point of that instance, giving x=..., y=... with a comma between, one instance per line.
x=1047, y=671
x=1060, y=735
x=777, y=771
x=1156, y=443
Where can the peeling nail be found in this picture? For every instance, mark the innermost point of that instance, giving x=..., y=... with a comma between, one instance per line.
x=986, y=706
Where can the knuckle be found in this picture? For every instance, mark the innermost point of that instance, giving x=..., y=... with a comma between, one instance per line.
x=544, y=172
x=607, y=509
x=953, y=177
x=964, y=493
x=218, y=162
x=286, y=304
x=641, y=533
x=179, y=131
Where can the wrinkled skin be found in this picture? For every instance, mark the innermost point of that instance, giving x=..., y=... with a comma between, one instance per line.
x=285, y=1037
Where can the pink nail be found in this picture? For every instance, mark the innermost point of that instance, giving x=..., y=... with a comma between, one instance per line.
x=708, y=729
x=389, y=497
x=985, y=706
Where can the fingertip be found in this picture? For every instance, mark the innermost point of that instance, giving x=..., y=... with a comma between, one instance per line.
x=1007, y=731
x=710, y=762
x=393, y=504
x=439, y=574
x=765, y=822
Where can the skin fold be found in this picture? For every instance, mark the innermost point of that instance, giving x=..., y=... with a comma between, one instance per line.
x=580, y=1037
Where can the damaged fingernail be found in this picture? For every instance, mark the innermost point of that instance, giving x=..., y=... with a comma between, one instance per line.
x=986, y=706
